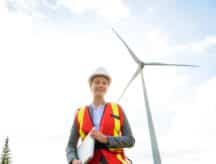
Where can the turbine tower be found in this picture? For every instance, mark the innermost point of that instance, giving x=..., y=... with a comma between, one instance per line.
x=141, y=65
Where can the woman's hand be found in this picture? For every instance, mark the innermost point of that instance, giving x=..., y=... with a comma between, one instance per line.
x=100, y=137
x=75, y=161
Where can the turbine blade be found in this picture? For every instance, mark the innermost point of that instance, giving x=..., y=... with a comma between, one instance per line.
x=131, y=80
x=153, y=138
x=165, y=64
x=136, y=59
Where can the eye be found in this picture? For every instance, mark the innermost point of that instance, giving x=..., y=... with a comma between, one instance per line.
x=97, y=81
x=104, y=82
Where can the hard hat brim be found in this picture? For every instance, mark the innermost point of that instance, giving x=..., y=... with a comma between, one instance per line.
x=91, y=78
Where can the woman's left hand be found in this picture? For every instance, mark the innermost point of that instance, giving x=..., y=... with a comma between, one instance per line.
x=100, y=137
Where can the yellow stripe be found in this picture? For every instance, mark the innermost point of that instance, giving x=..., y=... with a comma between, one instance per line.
x=115, y=111
x=117, y=125
x=80, y=119
x=119, y=157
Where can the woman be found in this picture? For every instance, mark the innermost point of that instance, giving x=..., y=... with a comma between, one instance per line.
x=112, y=131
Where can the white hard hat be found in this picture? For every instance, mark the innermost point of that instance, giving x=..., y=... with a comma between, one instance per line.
x=100, y=71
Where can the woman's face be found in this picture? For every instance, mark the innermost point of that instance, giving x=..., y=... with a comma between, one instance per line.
x=99, y=86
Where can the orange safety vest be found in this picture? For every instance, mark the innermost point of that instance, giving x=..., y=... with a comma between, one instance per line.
x=110, y=125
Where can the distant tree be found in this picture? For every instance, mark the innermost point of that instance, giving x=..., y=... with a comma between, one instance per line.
x=6, y=159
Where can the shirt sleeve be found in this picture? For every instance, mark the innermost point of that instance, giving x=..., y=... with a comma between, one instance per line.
x=71, y=149
x=125, y=140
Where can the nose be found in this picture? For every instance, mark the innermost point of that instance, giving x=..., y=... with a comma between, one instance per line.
x=101, y=85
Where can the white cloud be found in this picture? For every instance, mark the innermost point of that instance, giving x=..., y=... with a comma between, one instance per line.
x=25, y=6
x=193, y=130
x=35, y=8
x=112, y=10
x=158, y=44
x=15, y=41
x=199, y=46
x=16, y=31
x=2, y=7
x=196, y=116
x=191, y=133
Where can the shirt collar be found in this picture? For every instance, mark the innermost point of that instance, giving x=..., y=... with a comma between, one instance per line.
x=100, y=106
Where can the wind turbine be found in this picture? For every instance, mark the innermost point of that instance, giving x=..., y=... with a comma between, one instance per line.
x=141, y=65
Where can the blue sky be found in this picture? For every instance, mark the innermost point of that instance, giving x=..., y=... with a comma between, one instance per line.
x=184, y=21
x=51, y=46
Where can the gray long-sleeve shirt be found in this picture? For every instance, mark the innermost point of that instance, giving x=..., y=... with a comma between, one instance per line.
x=126, y=140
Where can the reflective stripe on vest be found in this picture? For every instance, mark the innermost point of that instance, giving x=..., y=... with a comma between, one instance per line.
x=115, y=111
x=120, y=158
x=116, y=130
x=80, y=120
